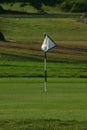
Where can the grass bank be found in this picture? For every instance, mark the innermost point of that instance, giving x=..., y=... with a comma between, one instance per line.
x=30, y=30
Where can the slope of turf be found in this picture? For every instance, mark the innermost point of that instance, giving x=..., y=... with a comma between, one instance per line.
x=69, y=60
x=30, y=30
x=43, y=7
x=65, y=51
x=26, y=39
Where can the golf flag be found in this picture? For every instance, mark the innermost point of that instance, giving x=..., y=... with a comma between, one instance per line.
x=48, y=43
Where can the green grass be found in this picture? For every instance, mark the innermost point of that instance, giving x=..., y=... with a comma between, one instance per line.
x=26, y=37
x=23, y=102
x=23, y=99
x=25, y=105
x=43, y=124
x=36, y=69
x=31, y=29
x=16, y=7
x=31, y=9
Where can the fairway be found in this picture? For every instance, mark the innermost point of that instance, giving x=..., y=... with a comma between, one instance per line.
x=22, y=99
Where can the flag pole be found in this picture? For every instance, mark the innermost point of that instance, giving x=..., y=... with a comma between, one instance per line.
x=48, y=44
x=45, y=73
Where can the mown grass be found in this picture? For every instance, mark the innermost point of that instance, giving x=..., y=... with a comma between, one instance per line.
x=25, y=105
x=36, y=69
x=23, y=99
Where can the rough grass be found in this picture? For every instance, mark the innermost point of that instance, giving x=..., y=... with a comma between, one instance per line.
x=65, y=51
x=30, y=9
x=30, y=30
x=43, y=124
x=25, y=36
x=17, y=7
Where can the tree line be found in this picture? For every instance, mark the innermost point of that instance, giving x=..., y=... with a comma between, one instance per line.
x=64, y=5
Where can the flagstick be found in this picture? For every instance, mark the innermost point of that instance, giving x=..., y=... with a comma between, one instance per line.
x=45, y=73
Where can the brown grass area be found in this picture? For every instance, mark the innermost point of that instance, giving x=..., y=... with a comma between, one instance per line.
x=76, y=51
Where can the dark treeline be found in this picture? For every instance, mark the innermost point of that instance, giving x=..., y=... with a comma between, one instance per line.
x=64, y=5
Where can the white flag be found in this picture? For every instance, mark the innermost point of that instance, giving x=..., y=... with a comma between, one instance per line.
x=48, y=43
